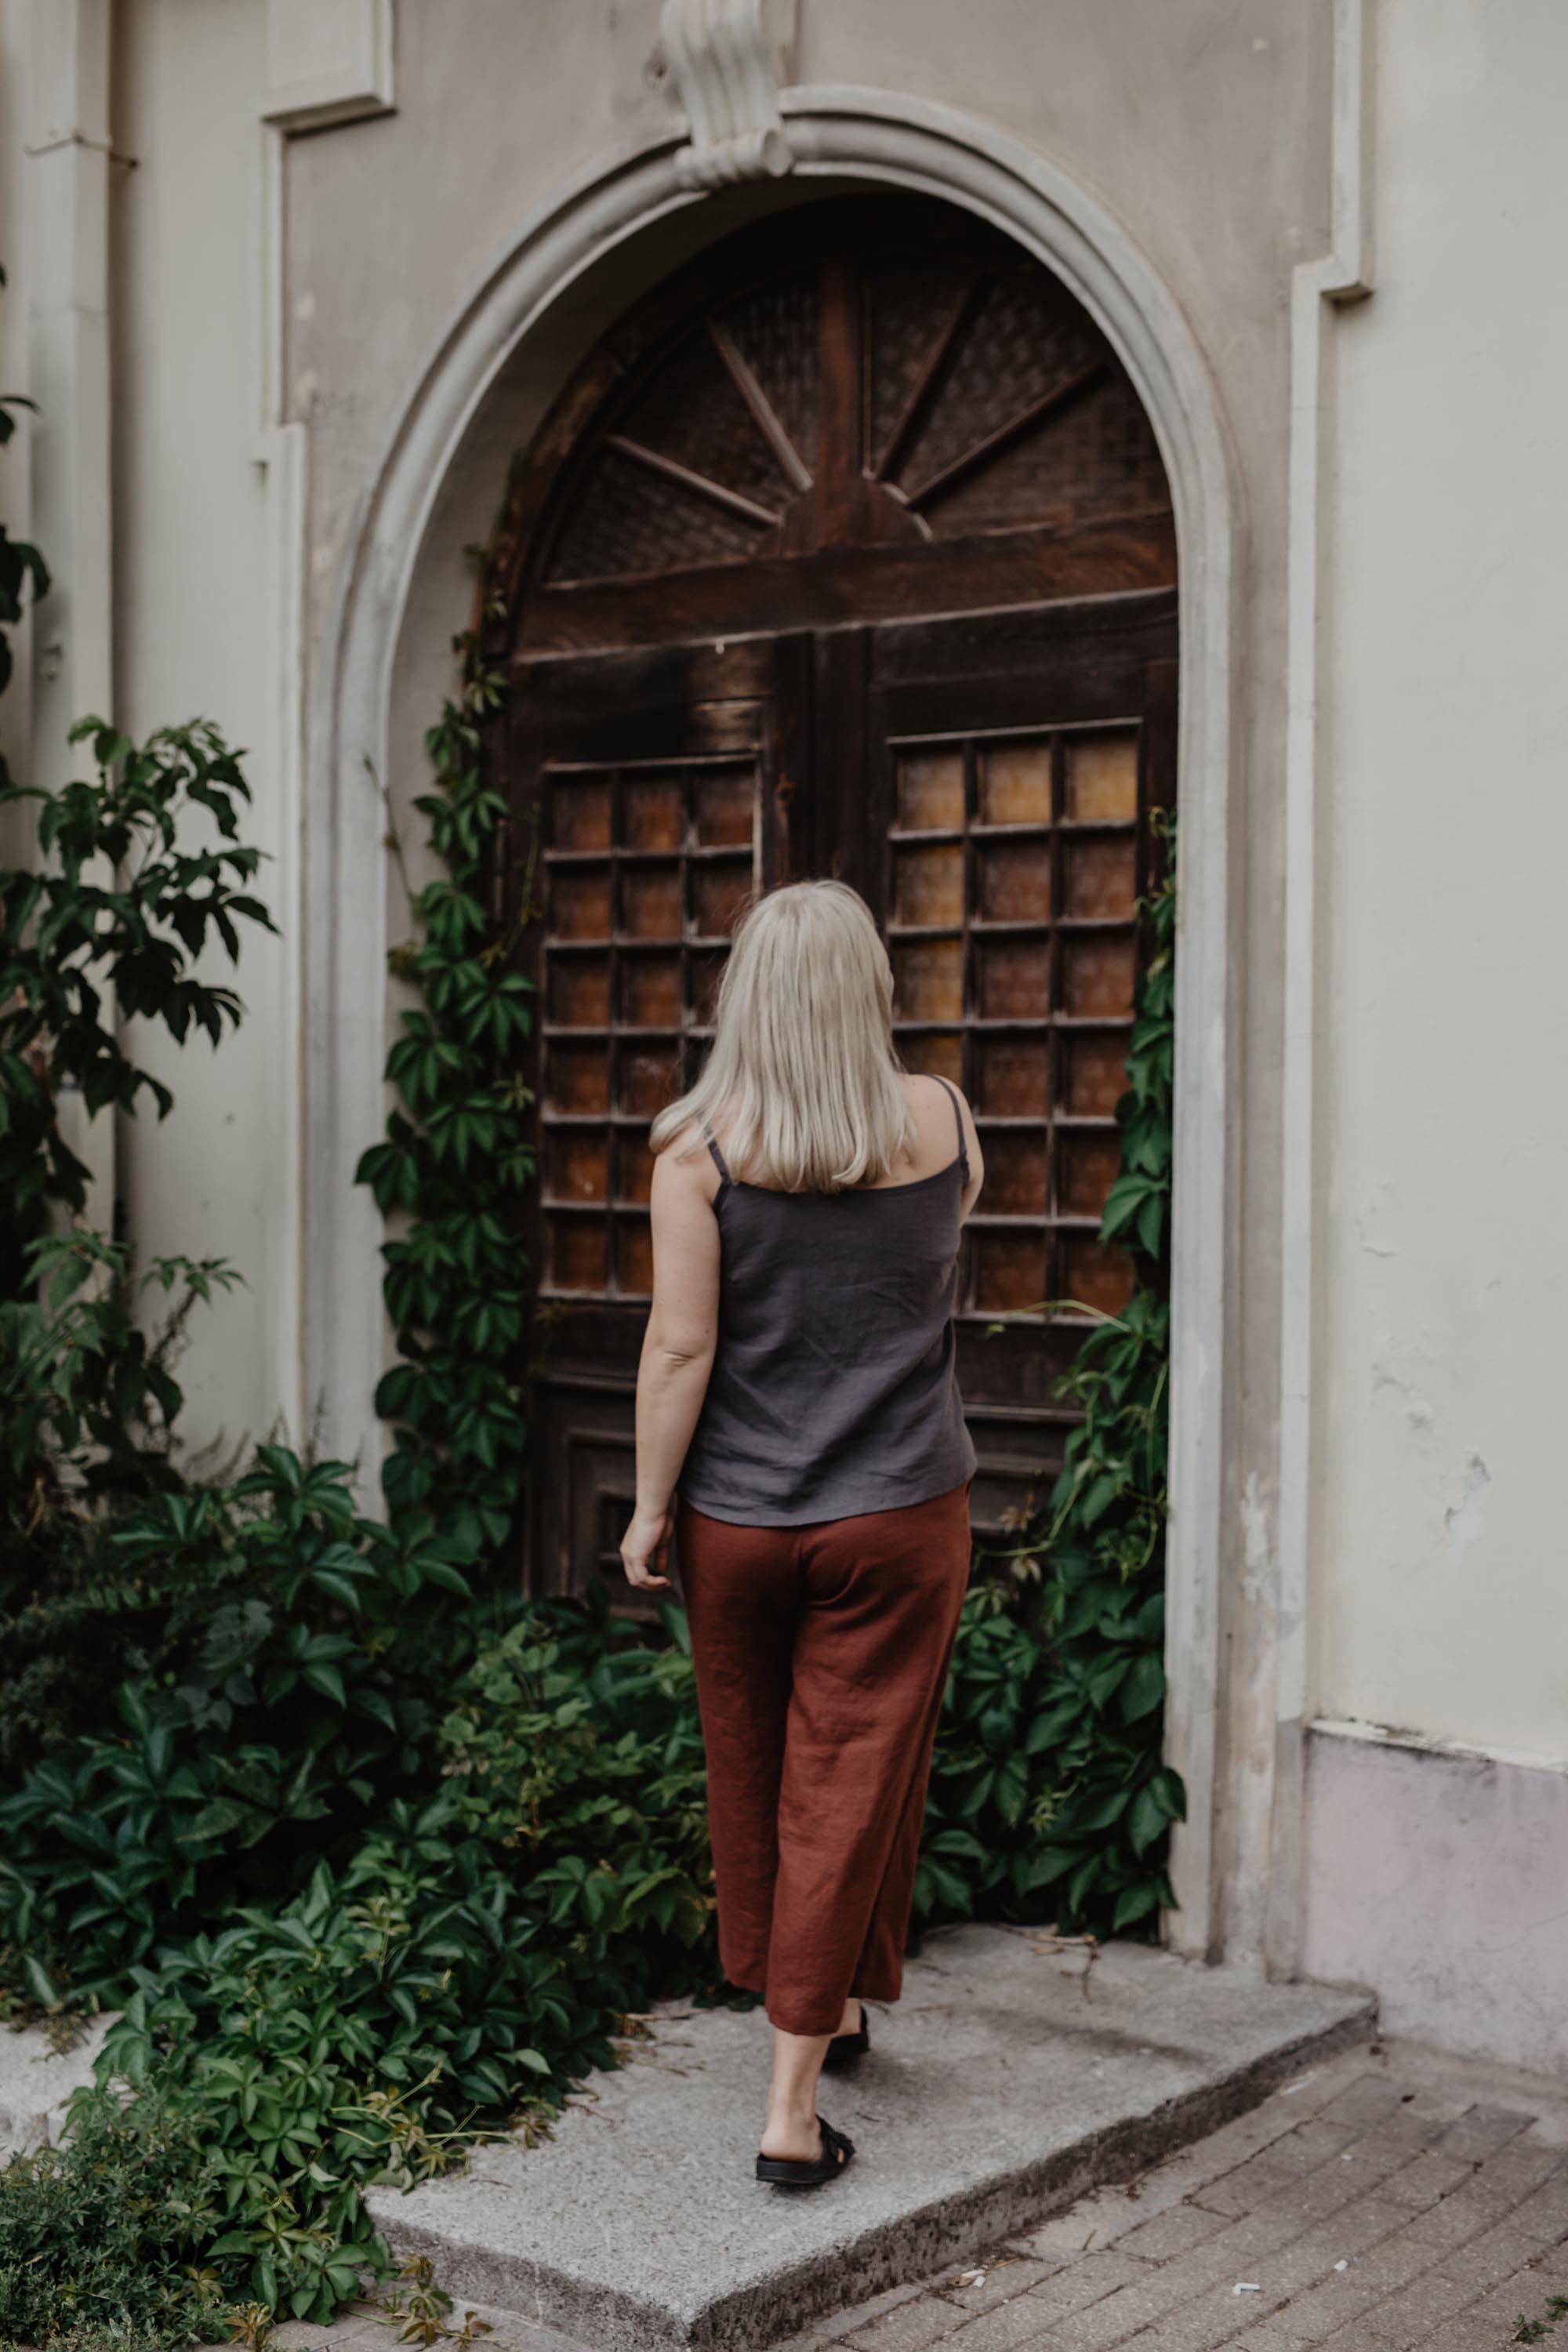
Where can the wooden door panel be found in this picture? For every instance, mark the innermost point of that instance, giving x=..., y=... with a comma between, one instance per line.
x=1014, y=758
x=659, y=793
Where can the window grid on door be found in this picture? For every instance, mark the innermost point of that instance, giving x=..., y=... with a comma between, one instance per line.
x=646, y=869
x=1012, y=891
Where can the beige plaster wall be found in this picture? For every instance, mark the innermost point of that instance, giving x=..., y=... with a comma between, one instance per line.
x=188, y=541
x=1441, y=1601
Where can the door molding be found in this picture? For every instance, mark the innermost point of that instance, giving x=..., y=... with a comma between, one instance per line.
x=875, y=137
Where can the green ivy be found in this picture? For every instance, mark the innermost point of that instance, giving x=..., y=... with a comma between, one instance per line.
x=114, y=922
x=454, y=1165
x=1052, y=1745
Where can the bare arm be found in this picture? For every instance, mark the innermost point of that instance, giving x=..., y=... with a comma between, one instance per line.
x=677, y=1354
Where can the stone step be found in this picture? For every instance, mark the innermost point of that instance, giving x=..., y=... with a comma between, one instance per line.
x=38, y=2075
x=1013, y=2076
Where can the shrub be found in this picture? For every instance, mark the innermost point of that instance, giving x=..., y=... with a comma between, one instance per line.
x=102, y=2239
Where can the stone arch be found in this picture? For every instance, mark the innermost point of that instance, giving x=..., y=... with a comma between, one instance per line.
x=617, y=227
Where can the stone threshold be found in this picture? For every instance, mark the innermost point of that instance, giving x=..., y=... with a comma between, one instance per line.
x=1013, y=2075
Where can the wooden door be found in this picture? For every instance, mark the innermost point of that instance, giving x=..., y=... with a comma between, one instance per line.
x=656, y=791
x=1012, y=762
x=850, y=552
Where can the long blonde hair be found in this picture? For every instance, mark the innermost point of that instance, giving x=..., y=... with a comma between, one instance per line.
x=802, y=1066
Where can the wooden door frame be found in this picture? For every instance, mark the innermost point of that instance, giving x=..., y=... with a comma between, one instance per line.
x=415, y=524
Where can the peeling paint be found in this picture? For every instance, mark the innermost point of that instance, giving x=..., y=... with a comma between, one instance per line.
x=1257, y=1566
x=1464, y=1521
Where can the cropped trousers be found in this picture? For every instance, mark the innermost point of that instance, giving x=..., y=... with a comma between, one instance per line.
x=821, y=1654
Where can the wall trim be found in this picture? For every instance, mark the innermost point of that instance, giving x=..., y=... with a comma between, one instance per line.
x=70, y=446
x=328, y=62
x=1429, y=1743
x=892, y=140
x=1319, y=288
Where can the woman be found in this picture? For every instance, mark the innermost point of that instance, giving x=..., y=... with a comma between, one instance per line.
x=797, y=1383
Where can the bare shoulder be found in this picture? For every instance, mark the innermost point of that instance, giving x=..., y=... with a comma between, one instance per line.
x=685, y=1168
x=935, y=1102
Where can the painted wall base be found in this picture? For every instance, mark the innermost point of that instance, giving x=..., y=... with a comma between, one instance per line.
x=1441, y=1880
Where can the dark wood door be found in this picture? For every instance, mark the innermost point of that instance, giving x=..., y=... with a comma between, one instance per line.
x=850, y=552
x=1012, y=759
x=657, y=792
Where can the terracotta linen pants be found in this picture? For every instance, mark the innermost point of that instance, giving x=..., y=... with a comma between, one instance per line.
x=821, y=1654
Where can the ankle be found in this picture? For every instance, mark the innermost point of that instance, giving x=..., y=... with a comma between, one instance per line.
x=791, y=2109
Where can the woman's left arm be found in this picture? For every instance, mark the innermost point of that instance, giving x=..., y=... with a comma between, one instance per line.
x=676, y=1355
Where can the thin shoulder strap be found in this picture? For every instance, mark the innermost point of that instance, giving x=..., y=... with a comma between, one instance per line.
x=724, y=1175
x=957, y=1115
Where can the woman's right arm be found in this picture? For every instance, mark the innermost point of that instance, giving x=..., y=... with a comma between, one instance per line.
x=677, y=1354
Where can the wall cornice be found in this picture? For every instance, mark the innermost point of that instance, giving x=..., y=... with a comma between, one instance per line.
x=328, y=61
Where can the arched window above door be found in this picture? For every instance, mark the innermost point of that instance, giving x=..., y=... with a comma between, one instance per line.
x=890, y=396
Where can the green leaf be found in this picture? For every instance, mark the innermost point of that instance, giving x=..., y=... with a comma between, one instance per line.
x=1133, y=1903
x=326, y=1678
x=1143, y=1688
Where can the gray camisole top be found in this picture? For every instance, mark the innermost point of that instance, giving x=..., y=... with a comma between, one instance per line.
x=833, y=1387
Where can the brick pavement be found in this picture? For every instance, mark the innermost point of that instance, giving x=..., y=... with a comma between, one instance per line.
x=1391, y=2200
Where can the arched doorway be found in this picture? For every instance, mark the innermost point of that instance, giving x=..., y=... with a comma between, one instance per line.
x=848, y=551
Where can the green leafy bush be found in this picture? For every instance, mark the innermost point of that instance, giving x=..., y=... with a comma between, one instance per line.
x=475, y=1953
x=116, y=918
x=289, y=1662
x=102, y=2239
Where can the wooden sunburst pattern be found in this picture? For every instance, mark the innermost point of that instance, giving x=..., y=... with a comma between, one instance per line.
x=917, y=386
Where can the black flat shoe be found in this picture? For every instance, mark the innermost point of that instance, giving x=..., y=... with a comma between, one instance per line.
x=800, y=2172
x=845, y=2048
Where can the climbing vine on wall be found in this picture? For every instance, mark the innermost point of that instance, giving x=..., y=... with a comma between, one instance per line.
x=454, y=1163
x=1055, y=1723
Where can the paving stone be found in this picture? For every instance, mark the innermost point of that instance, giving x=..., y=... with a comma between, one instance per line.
x=1471, y=2209
x=1082, y=2282
x=1366, y=2100
x=1494, y=2254
x=1005, y=2278
x=1481, y=2130
x=1066, y=2235
x=1409, y=2318
x=1425, y=2178
x=1107, y=2324
x=923, y=2320
x=1522, y=2167
x=1176, y=2231
x=1489, y=2319
x=843, y=2323
x=1199, y=2327
x=1544, y=2214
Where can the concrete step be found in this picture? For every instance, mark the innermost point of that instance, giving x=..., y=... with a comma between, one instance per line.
x=38, y=2076
x=1012, y=2076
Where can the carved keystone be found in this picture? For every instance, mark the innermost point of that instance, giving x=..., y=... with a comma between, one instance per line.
x=726, y=58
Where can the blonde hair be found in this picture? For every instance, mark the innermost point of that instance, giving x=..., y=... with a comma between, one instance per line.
x=803, y=1065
